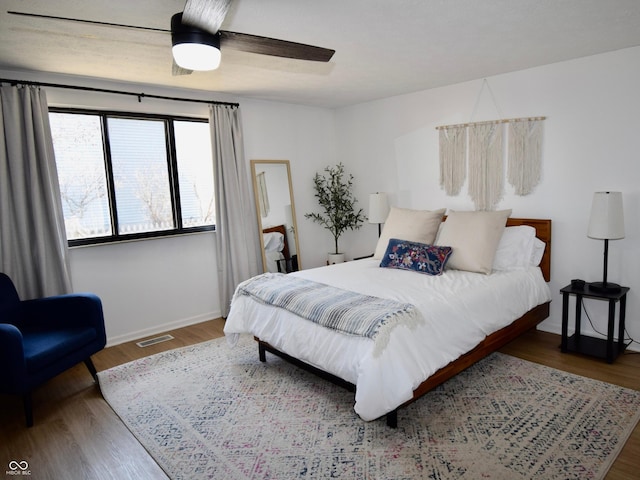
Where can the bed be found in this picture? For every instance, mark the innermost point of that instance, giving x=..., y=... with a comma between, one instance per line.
x=415, y=358
x=278, y=256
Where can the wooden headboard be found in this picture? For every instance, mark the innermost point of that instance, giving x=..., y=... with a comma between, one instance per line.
x=283, y=230
x=543, y=232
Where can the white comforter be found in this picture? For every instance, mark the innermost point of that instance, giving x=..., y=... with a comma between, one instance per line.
x=459, y=309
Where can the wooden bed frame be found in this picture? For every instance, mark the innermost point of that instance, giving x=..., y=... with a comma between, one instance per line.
x=490, y=344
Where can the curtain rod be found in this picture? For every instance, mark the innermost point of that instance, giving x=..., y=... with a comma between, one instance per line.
x=118, y=92
x=492, y=122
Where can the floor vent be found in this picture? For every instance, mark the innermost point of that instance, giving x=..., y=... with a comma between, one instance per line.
x=153, y=341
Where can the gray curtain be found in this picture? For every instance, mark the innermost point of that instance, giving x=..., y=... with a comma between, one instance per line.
x=237, y=240
x=33, y=243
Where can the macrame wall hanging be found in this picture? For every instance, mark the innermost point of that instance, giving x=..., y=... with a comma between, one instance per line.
x=453, y=157
x=485, y=165
x=480, y=144
x=524, y=165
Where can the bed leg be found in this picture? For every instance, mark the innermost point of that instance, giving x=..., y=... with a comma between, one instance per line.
x=392, y=419
x=261, y=353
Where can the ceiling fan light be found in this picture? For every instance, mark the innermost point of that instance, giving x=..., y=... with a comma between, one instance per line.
x=194, y=49
x=196, y=56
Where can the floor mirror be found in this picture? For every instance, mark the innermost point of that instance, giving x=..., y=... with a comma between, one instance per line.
x=273, y=193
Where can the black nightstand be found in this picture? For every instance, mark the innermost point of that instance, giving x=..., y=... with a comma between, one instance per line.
x=607, y=349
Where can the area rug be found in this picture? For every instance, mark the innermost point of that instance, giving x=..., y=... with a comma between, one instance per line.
x=209, y=411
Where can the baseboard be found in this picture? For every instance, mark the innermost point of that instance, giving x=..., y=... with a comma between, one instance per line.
x=162, y=328
x=551, y=328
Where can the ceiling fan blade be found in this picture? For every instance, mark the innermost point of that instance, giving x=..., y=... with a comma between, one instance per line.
x=177, y=70
x=207, y=15
x=236, y=41
x=272, y=46
x=90, y=22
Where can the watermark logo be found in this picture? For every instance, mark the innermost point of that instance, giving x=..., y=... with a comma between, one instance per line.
x=18, y=468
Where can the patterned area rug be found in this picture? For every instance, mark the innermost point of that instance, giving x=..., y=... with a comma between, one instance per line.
x=208, y=411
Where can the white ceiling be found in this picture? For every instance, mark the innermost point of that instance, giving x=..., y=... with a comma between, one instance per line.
x=383, y=48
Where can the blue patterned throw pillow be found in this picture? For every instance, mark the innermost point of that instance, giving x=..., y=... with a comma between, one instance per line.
x=421, y=258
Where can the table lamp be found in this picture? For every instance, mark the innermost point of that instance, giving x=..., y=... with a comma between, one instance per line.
x=606, y=223
x=378, y=209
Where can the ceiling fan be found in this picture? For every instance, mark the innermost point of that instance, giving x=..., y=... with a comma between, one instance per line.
x=197, y=39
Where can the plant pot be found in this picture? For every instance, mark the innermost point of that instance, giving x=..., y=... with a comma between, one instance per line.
x=334, y=258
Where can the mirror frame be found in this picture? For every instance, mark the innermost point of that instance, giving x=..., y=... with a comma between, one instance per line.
x=256, y=193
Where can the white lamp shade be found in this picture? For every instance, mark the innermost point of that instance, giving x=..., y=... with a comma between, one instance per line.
x=378, y=207
x=607, y=216
x=196, y=56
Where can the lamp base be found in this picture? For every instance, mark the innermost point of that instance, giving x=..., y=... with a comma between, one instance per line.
x=603, y=287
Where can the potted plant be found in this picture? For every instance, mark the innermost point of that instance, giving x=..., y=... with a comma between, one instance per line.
x=339, y=214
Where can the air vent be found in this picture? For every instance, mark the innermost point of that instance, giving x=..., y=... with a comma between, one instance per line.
x=153, y=341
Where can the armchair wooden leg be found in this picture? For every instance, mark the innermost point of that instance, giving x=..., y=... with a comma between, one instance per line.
x=28, y=409
x=92, y=369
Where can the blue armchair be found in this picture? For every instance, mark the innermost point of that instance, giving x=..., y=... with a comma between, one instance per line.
x=42, y=338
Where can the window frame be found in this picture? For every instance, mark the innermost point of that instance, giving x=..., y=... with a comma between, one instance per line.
x=172, y=168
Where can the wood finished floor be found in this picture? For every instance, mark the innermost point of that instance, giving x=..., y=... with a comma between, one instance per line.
x=77, y=436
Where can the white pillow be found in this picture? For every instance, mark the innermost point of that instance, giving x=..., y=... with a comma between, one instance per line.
x=518, y=248
x=273, y=241
x=474, y=237
x=515, y=249
x=537, y=252
x=412, y=225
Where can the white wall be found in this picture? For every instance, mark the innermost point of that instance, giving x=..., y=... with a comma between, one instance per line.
x=151, y=286
x=306, y=137
x=590, y=144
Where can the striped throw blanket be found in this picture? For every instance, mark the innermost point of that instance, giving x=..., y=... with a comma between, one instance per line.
x=335, y=308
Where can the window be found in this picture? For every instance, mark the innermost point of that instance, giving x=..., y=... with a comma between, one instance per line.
x=193, y=149
x=126, y=176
